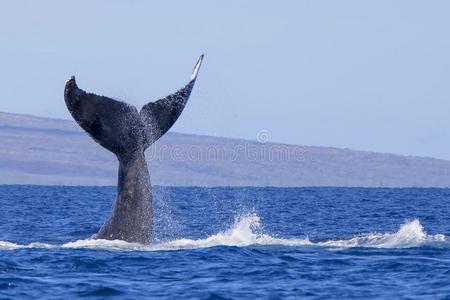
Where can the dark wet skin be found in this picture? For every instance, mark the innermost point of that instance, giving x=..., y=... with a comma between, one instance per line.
x=121, y=129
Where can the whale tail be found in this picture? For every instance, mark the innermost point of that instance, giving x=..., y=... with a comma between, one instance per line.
x=118, y=126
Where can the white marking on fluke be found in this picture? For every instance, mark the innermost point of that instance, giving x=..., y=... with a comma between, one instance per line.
x=71, y=78
x=197, y=67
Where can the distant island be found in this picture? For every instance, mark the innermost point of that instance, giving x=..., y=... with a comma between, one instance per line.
x=43, y=151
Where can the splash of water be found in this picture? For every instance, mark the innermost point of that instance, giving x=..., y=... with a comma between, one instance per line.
x=245, y=232
x=5, y=245
x=410, y=234
x=242, y=233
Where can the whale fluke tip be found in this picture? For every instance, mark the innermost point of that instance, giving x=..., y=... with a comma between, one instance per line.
x=197, y=67
x=71, y=82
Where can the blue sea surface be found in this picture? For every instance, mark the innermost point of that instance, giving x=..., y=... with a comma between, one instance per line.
x=229, y=243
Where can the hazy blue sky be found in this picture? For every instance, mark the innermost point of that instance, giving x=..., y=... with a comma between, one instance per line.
x=370, y=75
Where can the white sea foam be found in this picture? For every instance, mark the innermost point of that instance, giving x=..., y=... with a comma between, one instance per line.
x=411, y=234
x=246, y=231
x=242, y=233
x=5, y=245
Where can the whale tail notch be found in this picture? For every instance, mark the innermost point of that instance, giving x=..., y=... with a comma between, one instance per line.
x=118, y=126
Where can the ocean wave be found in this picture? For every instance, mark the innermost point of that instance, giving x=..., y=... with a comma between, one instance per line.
x=242, y=233
x=246, y=232
x=5, y=245
x=411, y=234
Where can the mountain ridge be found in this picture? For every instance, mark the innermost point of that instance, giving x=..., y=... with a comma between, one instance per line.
x=37, y=150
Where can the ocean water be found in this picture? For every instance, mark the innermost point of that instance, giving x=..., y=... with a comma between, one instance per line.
x=229, y=243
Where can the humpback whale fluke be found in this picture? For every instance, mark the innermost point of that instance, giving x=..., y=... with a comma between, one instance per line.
x=121, y=129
